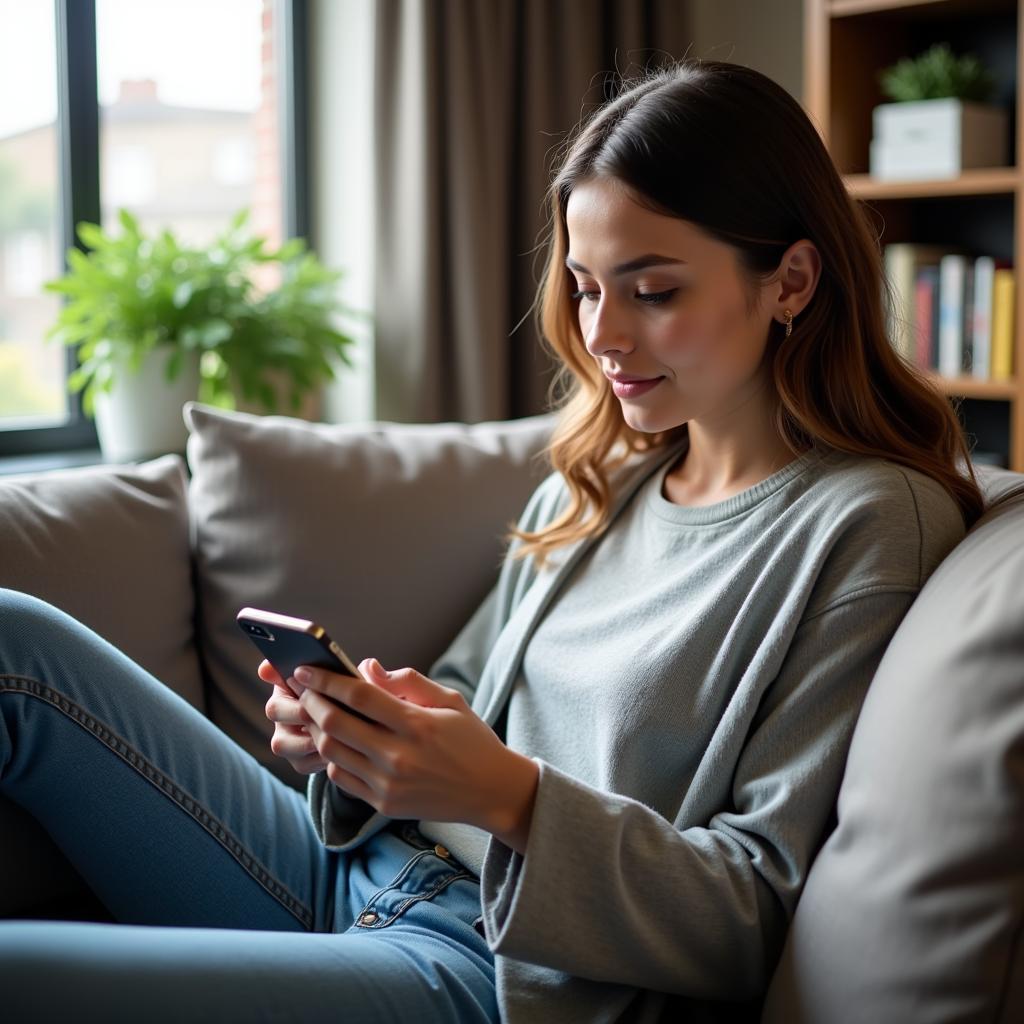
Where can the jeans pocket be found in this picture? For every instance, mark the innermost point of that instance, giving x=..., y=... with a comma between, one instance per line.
x=422, y=878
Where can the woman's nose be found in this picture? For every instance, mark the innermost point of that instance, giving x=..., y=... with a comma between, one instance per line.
x=607, y=331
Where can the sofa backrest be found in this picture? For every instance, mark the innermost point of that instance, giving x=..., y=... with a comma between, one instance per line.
x=388, y=534
x=914, y=908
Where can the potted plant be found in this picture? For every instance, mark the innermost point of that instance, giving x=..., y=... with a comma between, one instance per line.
x=159, y=323
x=941, y=121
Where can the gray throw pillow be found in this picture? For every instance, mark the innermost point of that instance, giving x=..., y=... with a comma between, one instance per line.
x=388, y=534
x=109, y=545
x=914, y=908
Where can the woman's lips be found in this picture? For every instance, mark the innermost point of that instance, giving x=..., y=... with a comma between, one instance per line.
x=634, y=388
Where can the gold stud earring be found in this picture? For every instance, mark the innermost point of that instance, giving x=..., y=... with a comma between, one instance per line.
x=788, y=314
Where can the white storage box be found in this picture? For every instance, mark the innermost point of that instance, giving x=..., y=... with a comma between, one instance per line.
x=936, y=138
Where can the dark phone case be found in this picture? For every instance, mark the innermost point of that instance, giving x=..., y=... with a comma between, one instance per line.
x=292, y=648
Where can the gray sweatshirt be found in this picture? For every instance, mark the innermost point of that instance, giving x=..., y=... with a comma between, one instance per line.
x=688, y=686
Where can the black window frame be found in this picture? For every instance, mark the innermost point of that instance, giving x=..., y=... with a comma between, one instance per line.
x=78, y=156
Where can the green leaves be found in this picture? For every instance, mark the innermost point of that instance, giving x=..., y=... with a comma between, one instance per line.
x=132, y=293
x=937, y=74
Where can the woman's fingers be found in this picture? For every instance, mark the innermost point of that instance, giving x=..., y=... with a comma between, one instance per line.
x=297, y=748
x=308, y=765
x=291, y=739
x=283, y=706
x=269, y=674
x=291, y=742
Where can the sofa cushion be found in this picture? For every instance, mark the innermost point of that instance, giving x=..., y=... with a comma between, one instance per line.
x=388, y=534
x=914, y=907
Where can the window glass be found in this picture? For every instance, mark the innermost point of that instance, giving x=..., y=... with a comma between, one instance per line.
x=32, y=372
x=188, y=116
x=188, y=136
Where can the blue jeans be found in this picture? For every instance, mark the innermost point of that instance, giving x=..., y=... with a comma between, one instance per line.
x=227, y=905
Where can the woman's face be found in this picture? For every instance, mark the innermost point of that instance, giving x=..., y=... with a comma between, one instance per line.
x=660, y=300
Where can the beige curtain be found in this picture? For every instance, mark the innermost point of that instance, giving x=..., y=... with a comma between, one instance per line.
x=472, y=101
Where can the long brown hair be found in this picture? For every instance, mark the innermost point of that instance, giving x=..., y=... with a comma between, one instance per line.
x=726, y=148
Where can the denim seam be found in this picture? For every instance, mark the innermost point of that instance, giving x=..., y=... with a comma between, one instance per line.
x=149, y=771
x=400, y=877
x=438, y=887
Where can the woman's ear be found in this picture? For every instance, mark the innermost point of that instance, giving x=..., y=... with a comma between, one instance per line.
x=799, y=271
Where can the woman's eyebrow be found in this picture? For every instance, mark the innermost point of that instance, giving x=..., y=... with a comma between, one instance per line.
x=650, y=260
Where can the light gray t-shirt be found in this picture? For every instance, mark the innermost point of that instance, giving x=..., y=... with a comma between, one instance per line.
x=589, y=698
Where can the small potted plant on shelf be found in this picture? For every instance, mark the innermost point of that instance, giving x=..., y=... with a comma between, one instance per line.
x=159, y=323
x=942, y=120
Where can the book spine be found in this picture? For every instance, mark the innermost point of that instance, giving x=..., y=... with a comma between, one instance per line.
x=981, y=363
x=1002, y=324
x=925, y=289
x=951, y=297
x=967, y=322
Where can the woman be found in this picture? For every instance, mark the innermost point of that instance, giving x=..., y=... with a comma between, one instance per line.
x=603, y=801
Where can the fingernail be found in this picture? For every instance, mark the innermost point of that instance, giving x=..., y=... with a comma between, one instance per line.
x=378, y=667
x=302, y=674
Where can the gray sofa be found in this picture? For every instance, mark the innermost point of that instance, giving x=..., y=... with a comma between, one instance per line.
x=391, y=535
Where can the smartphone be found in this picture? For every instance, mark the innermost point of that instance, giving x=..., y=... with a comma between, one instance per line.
x=287, y=642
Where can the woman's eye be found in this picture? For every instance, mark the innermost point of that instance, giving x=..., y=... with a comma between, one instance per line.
x=656, y=298
x=650, y=298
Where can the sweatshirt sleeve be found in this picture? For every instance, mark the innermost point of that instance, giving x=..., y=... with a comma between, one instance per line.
x=608, y=889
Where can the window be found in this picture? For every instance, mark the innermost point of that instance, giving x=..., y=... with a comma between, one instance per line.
x=189, y=109
x=187, y=96
x=129, y=177
x=32, y=390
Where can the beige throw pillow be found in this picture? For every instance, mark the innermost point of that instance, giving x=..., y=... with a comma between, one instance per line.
x=110, y=546
x=387, y=534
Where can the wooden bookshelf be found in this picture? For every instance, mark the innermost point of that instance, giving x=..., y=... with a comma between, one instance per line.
x=846, y=44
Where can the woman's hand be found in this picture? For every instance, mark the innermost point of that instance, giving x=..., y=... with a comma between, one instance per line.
x=426, y=754
x=291, y=739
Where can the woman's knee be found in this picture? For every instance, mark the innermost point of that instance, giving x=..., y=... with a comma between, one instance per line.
x=29, y=625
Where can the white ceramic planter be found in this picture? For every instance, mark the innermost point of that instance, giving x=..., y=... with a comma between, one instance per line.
x=141, y=416
x=936, y=139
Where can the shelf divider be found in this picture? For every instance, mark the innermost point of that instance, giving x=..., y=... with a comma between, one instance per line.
x=976, y=387
x=976, y=182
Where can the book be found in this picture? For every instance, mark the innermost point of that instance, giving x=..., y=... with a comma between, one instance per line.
x=967, y=326
x=981, y=355
x=902, y=261
x=1003, y=300
x=952, y=275
x=926, y=317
